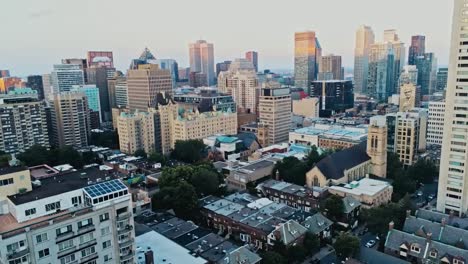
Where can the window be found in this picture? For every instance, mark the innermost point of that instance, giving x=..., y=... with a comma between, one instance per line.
x=433, y=254
x=107, y=258
x=44, y=253
x=415, y=248
x=23, y=259
x=106, y=244
x=86, y=238
x=88, y=251
x=104, y=217
x=67, y=259
x=64, y=230
x=457, y=261
x=6, y=182
x=41, y=238
x=16, y=246
x=105, y=231
x=52, y=206
x=65, y=245
x=76, y=200
x=85, y=223
x=30, y=211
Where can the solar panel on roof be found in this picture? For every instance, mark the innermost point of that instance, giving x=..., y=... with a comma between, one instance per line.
x=104, y=188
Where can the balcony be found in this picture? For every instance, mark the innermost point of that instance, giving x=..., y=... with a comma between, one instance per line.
x=123, y=216
x=89, y=257
x=17, y=254
x=66, y=251
x=125, y=242
x=126, y=255
x=64, y=236
x=87, y=244
x=86, y=229
x=125, y=229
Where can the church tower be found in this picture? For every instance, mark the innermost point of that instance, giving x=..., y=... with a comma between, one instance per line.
x=377, y=145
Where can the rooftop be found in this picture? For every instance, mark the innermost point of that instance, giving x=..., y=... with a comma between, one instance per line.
x=61, y=183
x=365, y=186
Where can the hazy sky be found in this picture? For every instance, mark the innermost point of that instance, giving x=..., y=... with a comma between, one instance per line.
x=38, y=33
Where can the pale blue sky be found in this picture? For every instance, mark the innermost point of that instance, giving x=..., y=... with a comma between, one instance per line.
x=38, y=33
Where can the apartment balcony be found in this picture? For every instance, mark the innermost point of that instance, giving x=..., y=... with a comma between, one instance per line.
x=126, y=242
x=17, y=254
x=125, y=229
x=123, y=216
x=66, y=251
x=89, y=257
x=64, y=236
x=86, y=229
x=126, y=255
x=87, y=244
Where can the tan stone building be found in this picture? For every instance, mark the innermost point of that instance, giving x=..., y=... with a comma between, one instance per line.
x=275, y=112
x=145, y=83
x=13, y=180
x=370, y=192
x=410, y=134
x=70, y=119
x=377, y=145
x=407, y=97
x=136, y=131
x=307, y=107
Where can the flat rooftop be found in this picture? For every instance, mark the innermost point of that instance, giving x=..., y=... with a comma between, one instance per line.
x=337, y=132
x=164, y=250
x=364, y=186
x=62, y=183
x=8, y=170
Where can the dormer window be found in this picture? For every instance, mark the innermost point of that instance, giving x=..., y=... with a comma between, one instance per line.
x=458, y=261
x=415, y=248
x=433, y=254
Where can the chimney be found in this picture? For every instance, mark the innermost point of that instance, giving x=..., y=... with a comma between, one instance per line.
x=149, y=258
x=408, y=213
x=428, y=237
x=391, y=225
x=443, y=222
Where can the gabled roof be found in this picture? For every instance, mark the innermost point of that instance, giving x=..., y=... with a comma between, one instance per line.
x=434, y=216
x=290, y=231
x=350, y=204
x=317, y=223
x=334, y=165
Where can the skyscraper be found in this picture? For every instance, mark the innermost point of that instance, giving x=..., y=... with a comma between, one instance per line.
x=331, y=64
x=275, y=111
x=409, y=75
x=335, y=96
x=442, y=79
x=35, y=83
x=92, y=96
x=98, y=76
x=242, y=83
x=427, y=72
x=399, y=57
x=222, y=66
x=144, y=83
x=364, y=39
x=64, y=76
x=100, y=59
x=307, y=56
x=252, y=56
x=70, y=119
x=417, y=48
x=83, y=63
x=171, y=65
x=380, y=79
x=202, y=59
x=453, y=190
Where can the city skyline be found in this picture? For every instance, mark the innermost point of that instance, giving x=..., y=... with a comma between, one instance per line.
x=47, y=32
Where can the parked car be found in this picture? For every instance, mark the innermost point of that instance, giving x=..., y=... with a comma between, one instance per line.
x=370, y=243
x=419, y=193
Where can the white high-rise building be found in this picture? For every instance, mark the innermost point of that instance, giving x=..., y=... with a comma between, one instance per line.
x=202, y=59
x=364, y=39
x=64, y=76
x=435, y=124
x=453, y=178
x=241, y=82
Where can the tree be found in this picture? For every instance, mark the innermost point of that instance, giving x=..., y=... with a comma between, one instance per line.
x=292, y=170
x=346, y=245
x=157, y=157
x=311, y=243
x=189, y=151
x=334, y=207
x=271, y=257
x=35, y=155
x=205, y=181
x=109, y=139
x=313, y=157
x=402, y=185
x=180, y=197
x=296, y=254
x=394, y=166
x=423, y=171
x=68, y=155
x=140, y=153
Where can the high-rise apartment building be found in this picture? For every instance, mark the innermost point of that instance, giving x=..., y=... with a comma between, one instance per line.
x=364, y=39
x=136, y=132
x=202, y=59
x=171, y=65
x=435, y=123
x=427, y=73
x=98, y=76
x=410, y=134
x=35, y=82
x=47, y=85
x=331, y=64
x=222, y=66
x=442, y=75
x=307, y=57
x=144, y=83
x=80, y=216
x=64, y=76
x=252, y=56
x=453, y=190
x=23, y=121
x=380, y=79
x=417, y=48
x=70, y=120
x=111, y=82
x=334, y=96
x=275, y=111
x=94, y=103
x=83, y=63
x=4, y=73
x=242, y=83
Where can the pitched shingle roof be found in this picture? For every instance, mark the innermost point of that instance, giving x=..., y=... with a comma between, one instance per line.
x=334, y=165
x=317, y=223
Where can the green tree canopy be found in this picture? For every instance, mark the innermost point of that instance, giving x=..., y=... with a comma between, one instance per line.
x=296, y=254
x=346, y=245
x=271, y=257
x=140, y=153
x=311, y=243
x=36, y=155
x=189, y=151
x=394, y=166
x=157, y=157
x=108, y=139
x=334, y=207
x=292, y=170
x=180, y=197
x=423, y=171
